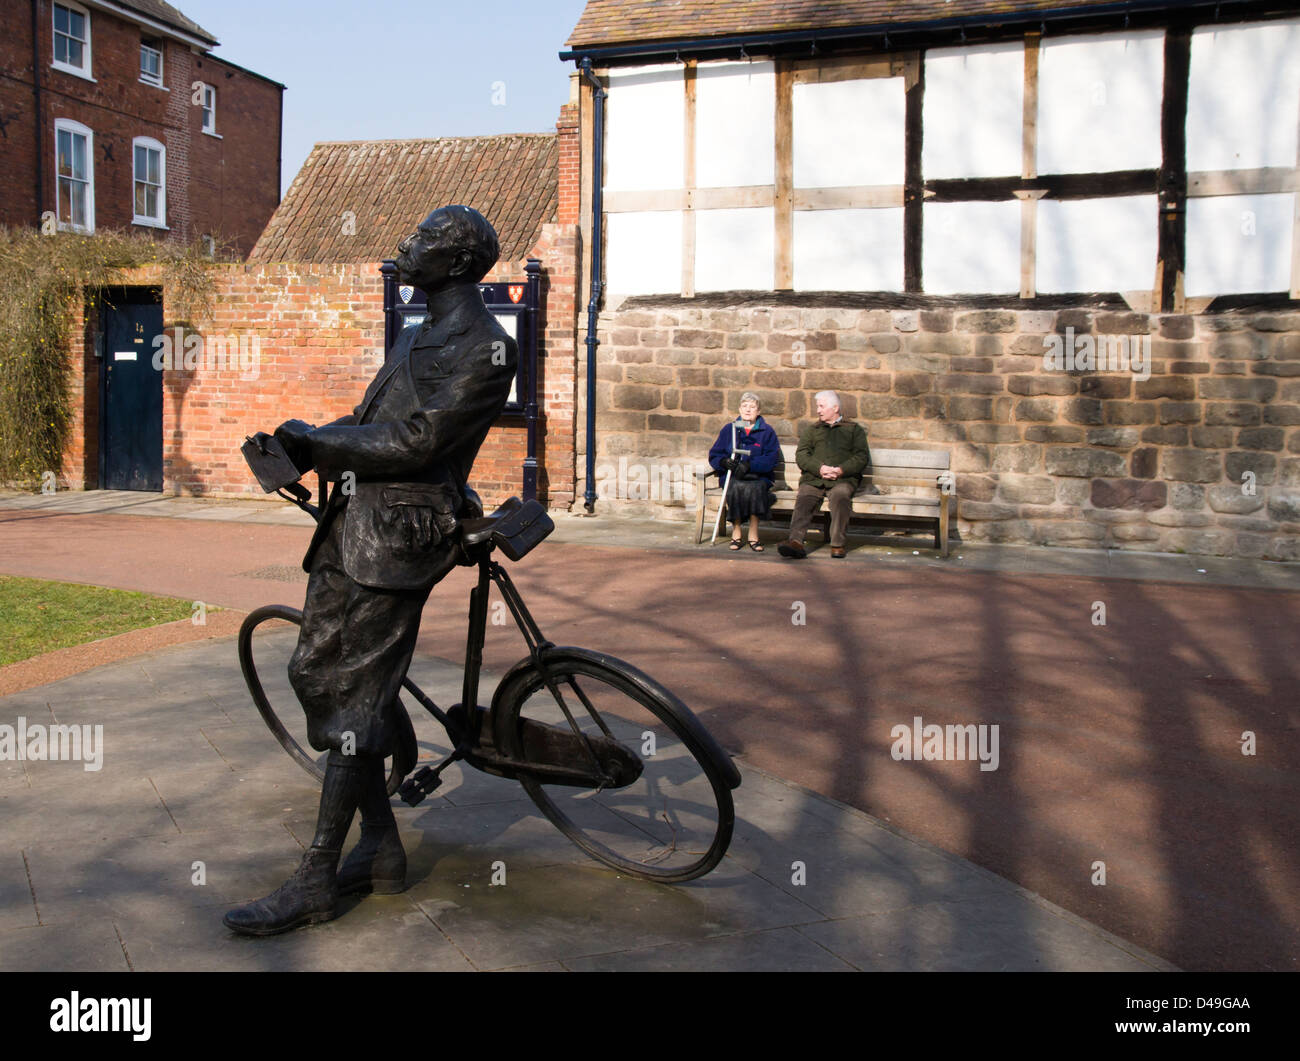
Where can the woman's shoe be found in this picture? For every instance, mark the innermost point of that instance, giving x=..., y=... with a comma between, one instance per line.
x=735, y=544
x=756, y=547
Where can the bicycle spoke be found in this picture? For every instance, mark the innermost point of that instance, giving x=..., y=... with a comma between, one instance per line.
x=573, y=683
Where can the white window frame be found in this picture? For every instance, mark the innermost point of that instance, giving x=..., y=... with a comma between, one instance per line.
x=151, y=144
x=144, y=77
x=76, y=129
x=205, y=126
x=77, y=71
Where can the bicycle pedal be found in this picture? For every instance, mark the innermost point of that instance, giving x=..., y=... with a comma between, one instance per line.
x=411, y=793
x=415, y=788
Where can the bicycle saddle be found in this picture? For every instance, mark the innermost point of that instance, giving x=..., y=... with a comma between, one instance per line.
x=477, y=531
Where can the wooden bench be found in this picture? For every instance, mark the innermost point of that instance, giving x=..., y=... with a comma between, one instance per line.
x=909, y=491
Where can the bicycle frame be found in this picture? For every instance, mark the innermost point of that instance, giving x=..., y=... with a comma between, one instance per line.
x=466, y=728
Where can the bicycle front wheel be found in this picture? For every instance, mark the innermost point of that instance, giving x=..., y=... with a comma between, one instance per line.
x=268, y=634
x=673, y=822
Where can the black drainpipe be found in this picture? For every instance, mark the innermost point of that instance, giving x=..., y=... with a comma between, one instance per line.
x=593, y=306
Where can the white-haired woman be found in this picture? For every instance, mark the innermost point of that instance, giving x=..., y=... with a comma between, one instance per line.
x=748, y=448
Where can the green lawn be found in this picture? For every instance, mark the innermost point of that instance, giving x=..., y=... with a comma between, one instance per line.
x=38, y=616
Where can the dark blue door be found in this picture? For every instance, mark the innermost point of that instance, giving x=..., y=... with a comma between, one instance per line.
x=132, y=393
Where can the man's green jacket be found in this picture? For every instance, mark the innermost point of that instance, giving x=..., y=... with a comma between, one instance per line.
x=839, y=445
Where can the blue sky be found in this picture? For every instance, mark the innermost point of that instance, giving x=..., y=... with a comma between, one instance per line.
x=358, y=71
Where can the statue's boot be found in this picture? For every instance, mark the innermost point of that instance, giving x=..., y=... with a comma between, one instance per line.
x=311, y=895
x=378, y=863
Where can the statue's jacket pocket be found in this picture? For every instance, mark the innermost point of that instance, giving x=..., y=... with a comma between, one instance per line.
x=392, y=532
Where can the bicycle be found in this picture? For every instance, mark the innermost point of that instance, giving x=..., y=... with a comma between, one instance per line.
x=620, y=765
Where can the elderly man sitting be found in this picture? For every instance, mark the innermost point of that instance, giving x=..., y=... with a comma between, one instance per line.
x=832, y=455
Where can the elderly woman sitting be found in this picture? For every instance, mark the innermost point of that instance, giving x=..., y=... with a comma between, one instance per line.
x=748, y=448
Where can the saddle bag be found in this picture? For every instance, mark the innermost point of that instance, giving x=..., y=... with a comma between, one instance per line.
x=522, y=529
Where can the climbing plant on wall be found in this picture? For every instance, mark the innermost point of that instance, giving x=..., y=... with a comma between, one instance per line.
x=43, y=280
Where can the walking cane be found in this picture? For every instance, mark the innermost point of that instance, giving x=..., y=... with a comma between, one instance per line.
x=721, y=504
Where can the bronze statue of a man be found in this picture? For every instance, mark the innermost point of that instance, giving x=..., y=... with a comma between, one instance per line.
x=385, y=537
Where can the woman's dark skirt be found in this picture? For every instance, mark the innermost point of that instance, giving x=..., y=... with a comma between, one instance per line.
x=747, y=498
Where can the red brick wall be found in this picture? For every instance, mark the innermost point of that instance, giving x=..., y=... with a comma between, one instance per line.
x=570, y=186
x=319, y=341
x=235, y=180
x=17, y=140
x=228, y=186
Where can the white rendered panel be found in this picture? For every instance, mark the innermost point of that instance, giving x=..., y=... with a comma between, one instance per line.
x=1097, y=244
x=1099, y=102
x=849, y=133
x=971, y=248
x=734, y=250
x=974, y=111
x=644, y=121
x=510, y=322
x=1239, y=244
x=848, y=250
x=735, y=124
x=1242, y=96
x=643, y=253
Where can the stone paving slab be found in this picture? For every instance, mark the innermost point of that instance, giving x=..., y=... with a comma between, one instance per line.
x=17, y=909
x=991, y=933
x=111, y=855
x=836, y=870
x=91, y=946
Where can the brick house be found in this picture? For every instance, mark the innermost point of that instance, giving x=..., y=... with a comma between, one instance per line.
x=1059, y=240
x=116, y=114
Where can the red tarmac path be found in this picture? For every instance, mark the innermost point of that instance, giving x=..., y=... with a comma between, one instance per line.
x=1119, y=743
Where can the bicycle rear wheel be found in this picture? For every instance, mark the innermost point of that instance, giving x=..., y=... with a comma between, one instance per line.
x=269, y=634
x=674, y=821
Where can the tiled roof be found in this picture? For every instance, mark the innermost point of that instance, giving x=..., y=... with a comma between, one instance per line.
x=168, y=15
x=628, y=21
x=391, y=185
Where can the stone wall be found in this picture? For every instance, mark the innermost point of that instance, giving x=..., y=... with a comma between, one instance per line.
x=1091, y=458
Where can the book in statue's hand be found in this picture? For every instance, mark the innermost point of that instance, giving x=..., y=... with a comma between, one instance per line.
x=271, y=465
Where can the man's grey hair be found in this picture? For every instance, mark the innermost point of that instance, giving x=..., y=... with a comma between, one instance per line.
x=830, y=397
x=464, y=228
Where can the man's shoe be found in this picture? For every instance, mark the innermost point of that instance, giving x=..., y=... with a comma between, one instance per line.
x=376, y=865
x=837, y=552
x=309, y=897
x=792, y=548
